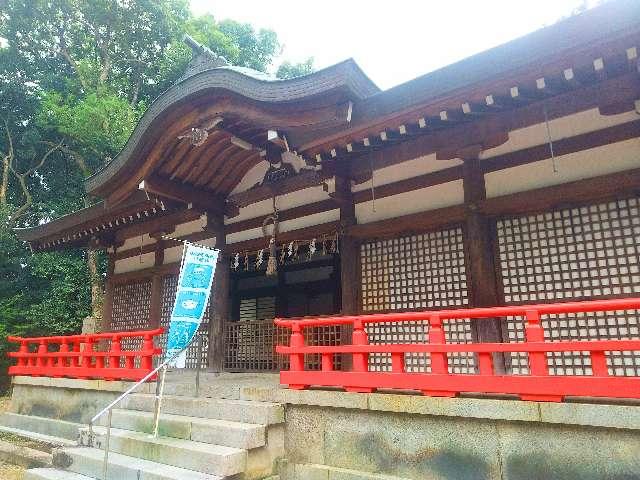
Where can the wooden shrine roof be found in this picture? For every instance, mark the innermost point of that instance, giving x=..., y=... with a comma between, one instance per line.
x=585, y=61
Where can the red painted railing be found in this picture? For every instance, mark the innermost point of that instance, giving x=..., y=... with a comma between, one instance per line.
x=538, y=385
x=75, y=356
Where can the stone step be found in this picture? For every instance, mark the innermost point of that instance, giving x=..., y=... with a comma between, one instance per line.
x=17, y=454
x=245, y=411
x=308, y=471
x=43, y=425
x=47, y=442
x=89, y=461
x=198, y=456
x=53, y=474
x=205, y=430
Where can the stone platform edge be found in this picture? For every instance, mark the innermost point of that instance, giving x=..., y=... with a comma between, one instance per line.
x=568, y=413
x=78, y=384
x=578, y=413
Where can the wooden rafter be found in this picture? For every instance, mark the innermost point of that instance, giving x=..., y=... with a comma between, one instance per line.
x=201, y=199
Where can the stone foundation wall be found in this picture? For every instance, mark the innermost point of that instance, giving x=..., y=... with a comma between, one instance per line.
x=65, y=399
x=422, y=438
x=407, y=436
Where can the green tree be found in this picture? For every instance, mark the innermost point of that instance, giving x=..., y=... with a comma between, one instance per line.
x=75, y=77
x=291, y=70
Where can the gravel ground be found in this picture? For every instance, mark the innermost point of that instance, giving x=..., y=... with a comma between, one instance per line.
x=10, y=472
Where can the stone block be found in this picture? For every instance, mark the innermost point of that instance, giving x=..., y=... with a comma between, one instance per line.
x=560, y=452
x=456, y=407
x=611, y=416
x=324, y=398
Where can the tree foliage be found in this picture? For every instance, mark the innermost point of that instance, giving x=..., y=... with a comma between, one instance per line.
x=292, y=70
x=75, y=77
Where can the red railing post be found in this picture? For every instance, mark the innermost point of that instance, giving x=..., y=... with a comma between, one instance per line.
x=87, y=353
x=50, y=360
x=397, y=362
x=327, y=362
x=599, y=365
x=40, y=357
x=439, y=361
x=24, y=349
x=74, y=356
x=114, y=358
x=75, y=359
x=534, y=333
x=360, y=363
x=296, y=360
x=100, y=359
x=146, y=353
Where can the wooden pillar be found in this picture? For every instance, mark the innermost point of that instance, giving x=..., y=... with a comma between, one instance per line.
x=155, y=308
x=479, y=238
x=350, y=281
x=107, y=306
x=219, y=304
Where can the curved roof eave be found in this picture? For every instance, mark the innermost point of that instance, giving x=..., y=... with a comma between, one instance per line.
x=241, y=82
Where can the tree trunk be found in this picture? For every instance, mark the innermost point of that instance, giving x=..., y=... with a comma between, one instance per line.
x=97, y=290
x=5, y=181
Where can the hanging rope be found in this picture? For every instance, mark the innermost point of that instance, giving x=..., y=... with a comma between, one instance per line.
x=546, y=121
x=272, y=262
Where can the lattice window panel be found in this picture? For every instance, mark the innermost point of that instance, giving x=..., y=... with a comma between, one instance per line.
x=131, y=304
x=250, y=346
x=200, y=347
x=257, y=308
x=574, y=253
x=417, y=272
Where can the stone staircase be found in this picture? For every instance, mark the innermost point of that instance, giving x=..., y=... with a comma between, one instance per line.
x=199, y=439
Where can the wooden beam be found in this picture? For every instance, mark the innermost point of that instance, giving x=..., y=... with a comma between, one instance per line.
x=565, y=146
x=407, y=224
x=479, y=237
x=155, y=302
x=285, y=237
x=603, y=188
x=623, y=88
x=107, y=306
x=219, y=306
x=146, y=273
x=598, y=138
x=156, y=224
x=350, y=277
x=188, y=194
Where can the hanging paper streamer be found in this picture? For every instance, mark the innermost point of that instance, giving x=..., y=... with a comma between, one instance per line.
x=192, y=297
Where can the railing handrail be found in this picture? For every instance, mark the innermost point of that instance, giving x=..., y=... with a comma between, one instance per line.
x=527, y=347
x=131, y=389
x=96, y=336
x=464, y=313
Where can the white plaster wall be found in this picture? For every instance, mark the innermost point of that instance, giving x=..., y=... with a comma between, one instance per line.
x=174, y=254
x=422, y=200
x=283, y=202
x=194, y=226
x=576, y=124
x=135, y=242
x=302, y=222
x=253, y=176
x=131, y=264
x=585, y=164
x=402, y=171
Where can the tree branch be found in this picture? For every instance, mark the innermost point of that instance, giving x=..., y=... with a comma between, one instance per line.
x=69, y=59
x=78, y=158
x=7, y=158
x=22, y=180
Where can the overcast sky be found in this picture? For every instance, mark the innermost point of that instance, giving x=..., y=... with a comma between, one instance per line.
x=393, y=41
